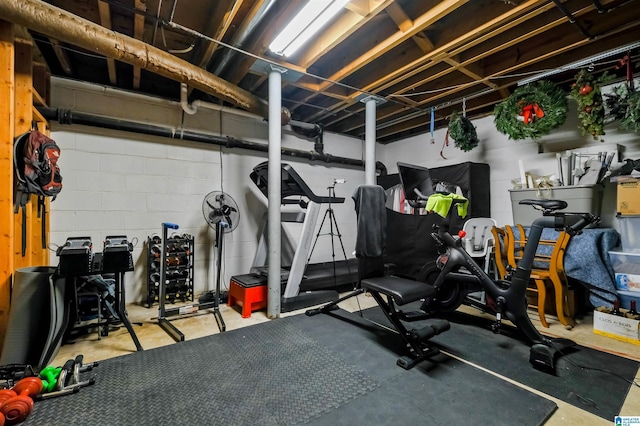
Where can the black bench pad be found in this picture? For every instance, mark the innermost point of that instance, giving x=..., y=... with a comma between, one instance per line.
x=402, y=290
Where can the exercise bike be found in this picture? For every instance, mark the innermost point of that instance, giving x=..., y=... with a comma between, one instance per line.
x=455, y=275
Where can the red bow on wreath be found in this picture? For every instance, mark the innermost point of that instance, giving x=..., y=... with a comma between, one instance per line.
x=531, y=111
x=621, y=63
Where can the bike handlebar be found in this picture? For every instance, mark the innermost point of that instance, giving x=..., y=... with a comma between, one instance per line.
x=420, y=195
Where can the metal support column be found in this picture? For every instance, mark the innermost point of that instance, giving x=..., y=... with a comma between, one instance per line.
x=275, y=192
x=370, y=142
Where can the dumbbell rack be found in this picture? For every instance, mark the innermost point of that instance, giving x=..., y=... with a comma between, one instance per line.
x=164, y=313
x=178, y=262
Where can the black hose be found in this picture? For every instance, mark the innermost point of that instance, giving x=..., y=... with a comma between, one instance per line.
x=65, y=116
x=573, y=20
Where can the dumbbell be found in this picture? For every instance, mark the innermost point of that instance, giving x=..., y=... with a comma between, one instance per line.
x=18, y=401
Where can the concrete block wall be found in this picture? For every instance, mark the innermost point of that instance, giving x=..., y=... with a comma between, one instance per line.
x=120, y=183
x=125, y=183
x=502, y=154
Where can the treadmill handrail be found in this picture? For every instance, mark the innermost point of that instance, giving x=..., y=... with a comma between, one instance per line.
x=292, y=185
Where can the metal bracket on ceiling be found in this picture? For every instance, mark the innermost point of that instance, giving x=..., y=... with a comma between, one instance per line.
x=365, y=97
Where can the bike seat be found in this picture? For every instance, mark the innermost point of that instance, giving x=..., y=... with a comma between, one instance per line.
x=545, y=204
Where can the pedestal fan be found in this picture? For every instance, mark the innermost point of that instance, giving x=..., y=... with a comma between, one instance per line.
x=221, y=213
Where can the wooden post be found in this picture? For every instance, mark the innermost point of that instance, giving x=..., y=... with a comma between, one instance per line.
x=22, y=124
x=6, y=171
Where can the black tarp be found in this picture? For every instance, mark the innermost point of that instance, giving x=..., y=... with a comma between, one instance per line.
x=409, y=242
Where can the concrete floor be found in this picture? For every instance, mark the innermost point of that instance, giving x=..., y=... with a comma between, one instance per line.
x=151, y=335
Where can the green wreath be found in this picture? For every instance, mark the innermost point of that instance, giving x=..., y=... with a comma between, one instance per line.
x=531, y=111
x=462, y=132
x=586, y=92
x=624, y=106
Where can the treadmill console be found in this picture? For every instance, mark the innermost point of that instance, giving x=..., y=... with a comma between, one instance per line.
x=292, y=185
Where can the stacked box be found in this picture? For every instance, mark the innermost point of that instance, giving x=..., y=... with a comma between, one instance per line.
x=628, y=195
x=617, y=327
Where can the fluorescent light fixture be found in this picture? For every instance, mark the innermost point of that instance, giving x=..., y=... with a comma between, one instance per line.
x=306, y=23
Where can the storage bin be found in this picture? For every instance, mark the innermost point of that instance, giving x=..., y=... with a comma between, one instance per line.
x=580, y=199
x=626, y=266
x=629, y=228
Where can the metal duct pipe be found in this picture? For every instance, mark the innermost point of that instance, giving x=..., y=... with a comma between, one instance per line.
x=62, y=25
x=64, y=116
x=242, y=35
x=307, y=126
x=315, y=129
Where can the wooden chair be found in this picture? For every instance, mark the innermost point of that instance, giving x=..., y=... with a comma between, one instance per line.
x=553, y=273
x=500, y=248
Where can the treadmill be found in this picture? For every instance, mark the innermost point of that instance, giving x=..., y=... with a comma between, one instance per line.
x=303, y=284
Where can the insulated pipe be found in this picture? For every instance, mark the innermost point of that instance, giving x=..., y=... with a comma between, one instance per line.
x=274, y=291
x=306, y=126
x=62, y=25
x=370, y=142
x=63, y=116
x=184, y=101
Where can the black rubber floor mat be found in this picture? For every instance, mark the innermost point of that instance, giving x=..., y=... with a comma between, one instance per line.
x=267, y=374
x=440, y=391
x=591, y=389
x=297, y=370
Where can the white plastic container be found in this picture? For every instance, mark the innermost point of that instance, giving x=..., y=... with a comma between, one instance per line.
x=629, y=228
x=626, y=266
x=579, y=198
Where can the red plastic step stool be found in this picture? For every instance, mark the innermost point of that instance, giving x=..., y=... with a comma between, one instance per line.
x=248, y=291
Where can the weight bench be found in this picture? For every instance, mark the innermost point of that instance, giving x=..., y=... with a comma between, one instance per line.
x=390, y=291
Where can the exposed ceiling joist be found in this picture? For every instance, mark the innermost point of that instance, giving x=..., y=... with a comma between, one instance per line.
x=138, y=34
x=418, y=55
x=105, y=21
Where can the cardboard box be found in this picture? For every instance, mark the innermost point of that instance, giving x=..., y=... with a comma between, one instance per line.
x=628, y=196
x=620, y=328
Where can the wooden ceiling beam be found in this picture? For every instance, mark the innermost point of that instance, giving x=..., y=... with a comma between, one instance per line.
x=508, y=41
x=404, y=23
x=345, y=25
x=105, y=21
x=434, y=14
x=55, y=22
x=399, y=16
x=536, y=57
x=61, y=54
x=516, y=16
x=361, y=7
x=485, y=32
x=437, y=12
x=219, y=31
x=138, y=33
